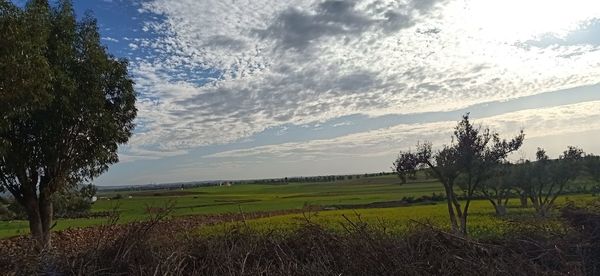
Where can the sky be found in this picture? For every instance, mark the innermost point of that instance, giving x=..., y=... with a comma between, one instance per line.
x=242, y=89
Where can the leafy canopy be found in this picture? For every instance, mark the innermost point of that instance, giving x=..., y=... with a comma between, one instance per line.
x=65, y=103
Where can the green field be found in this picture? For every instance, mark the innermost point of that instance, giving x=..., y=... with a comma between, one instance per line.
x=254, y=197
x=483, y=222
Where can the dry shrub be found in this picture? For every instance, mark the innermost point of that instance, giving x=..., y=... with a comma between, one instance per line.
x=363, y=249
x=586, y=220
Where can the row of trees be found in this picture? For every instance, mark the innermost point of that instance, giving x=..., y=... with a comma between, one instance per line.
x=475, y=165
x=539, y=182
x=320, y=178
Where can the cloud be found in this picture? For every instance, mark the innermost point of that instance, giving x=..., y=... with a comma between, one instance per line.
x=108, y=38
x=297, y=29
x=217, y=71
x=588, y=33
x=536, y=123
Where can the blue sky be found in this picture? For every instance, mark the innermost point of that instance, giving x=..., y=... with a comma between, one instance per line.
x=236, y=89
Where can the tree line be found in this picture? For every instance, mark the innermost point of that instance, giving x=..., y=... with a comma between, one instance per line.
x=313, y=179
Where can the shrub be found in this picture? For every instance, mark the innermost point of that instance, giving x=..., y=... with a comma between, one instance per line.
x=72, y=203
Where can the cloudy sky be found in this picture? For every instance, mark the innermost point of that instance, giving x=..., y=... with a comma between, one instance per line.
x=236, y=89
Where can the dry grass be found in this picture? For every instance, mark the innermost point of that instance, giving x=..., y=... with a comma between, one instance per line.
x=147, y=248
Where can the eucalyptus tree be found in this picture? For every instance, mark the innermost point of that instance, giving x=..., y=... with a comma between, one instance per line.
x=66, y=105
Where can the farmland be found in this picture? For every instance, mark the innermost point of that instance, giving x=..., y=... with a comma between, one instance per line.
x=246, y=198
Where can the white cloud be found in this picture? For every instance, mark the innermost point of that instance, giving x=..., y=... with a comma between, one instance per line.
x=536, y=123
x=295, y=62
x=108, y=38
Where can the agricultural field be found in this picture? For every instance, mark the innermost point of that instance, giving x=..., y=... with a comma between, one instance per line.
x=397, y=220
x=134, y=205
x=245, y=198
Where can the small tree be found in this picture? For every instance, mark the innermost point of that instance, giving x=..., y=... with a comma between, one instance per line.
x=66, y=105
x=479, y=153
x=520, y=179
x=472, y=158
x=498, y=188
x=547, y=178
x=441, y=165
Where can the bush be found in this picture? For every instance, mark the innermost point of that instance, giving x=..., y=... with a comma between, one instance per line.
x=595, y=190
x=72, y=203
x=5, y=213
x=313, y=250
x=363, y=249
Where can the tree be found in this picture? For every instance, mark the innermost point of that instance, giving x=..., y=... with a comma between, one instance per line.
x=72, y=202
x=88, y=191
x=479, y=151
x=548, y=178
x=65, y=110
x=498, y=188
x=592, y=167
x=468, y=162
x=520, y=178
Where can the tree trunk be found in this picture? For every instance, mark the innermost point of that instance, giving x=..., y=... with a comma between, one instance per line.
x=35, y=220
x=449, y=198
x=500, y=210
x=544, y=211
x=46, y=213
x=39, y=214
x=523, y=198
x=463, y=225
x=535, y=204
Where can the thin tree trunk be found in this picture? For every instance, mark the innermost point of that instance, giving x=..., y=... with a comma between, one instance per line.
x=543, y=211
x=461, y=218
x=463, y=225
x=523, y=198
x=449, y=198
x=501, y=205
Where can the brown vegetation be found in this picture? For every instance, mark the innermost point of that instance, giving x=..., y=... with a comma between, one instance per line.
x=160, y=248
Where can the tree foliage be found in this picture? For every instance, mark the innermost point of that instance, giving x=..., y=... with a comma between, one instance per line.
x=499, y=187
x=69, y=203
x=592, y=167
x=465, y=163
x=66, y=105
x=544, y=180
